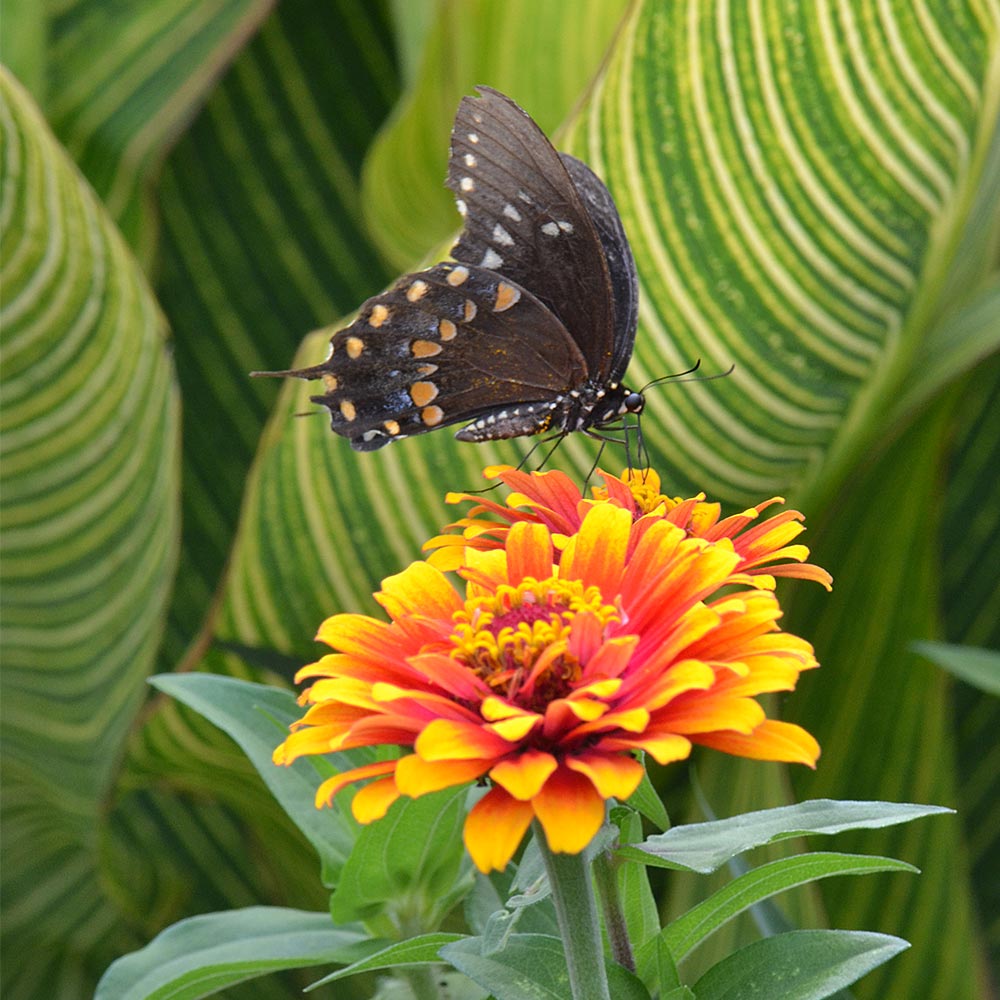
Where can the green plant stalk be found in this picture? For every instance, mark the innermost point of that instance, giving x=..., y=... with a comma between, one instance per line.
x=421, y=978
x=606, y=879
x=576, y=911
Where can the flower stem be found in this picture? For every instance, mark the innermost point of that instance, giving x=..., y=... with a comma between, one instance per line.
x=606, y=877
x=576, y=911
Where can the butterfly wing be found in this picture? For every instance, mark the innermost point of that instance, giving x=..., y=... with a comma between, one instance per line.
x=441, y=346
x=617, y=255
x=525, y=218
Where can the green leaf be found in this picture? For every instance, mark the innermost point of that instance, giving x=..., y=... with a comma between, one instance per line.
x=979, y=667
x=412, y=862
x=688, y=931
x=262, y=240
x=258, y=717
x=420, y=950
x=952, y=347
x=703, y=847
x=800, y=965
x=882, y=717
x=206, y=954
x=124, y=81
x=530, y=967
x=646, y=800
x=89, y=515
x=637, y=898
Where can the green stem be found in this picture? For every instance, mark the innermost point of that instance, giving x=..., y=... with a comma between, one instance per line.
x=606, y=877
x=576, y=911
x=422, y=978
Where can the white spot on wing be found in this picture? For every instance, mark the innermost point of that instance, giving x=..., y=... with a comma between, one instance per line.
x=566, y=227
x=501, y=236
x=492, y=259
x=470, y=160
x=550, y=229
x=467, y=184
x=511, y=212
x=473, y=138
x=462, y=207
x=526, y=198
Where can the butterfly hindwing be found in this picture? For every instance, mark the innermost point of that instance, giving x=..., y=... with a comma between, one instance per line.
x=617, y=255
x=525, y=219
x=442, y=346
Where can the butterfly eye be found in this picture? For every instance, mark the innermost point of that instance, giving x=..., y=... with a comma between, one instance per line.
x=634, y=402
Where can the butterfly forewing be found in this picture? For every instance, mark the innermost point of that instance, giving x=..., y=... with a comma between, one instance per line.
x=441, y=346
x=525, y=219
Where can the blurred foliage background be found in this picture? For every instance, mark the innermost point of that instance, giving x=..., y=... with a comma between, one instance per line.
x=812, y=193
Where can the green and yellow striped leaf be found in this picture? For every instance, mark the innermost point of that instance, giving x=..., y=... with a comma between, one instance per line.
x=122, y=82
x=89, y=514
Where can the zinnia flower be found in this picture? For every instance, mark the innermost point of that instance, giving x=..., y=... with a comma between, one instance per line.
x=572, y=648
x=553, y=499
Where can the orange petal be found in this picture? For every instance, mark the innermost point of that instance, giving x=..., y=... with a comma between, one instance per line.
x=365, y=637
x=448, y=673
x=706, y=714
x=484, y=571
x=615, y=776
x=494, y=829
x=596, y=554
x=514, y=730
x=664, y=748
x=305, y=741
x=446, y=739
x=524, y=775
x=419, y=590
x=552, y=494
x=329, y=788
x=416, y=777
x=771, y=740
x=372, y=802
x=494, y=709
x=570, y=810
x=529, y=552
x=610, y=659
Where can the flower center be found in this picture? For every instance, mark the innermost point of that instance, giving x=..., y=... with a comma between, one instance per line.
x=518, y=638
x=645, y=490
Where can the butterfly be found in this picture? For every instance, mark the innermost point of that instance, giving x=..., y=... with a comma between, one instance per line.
x=528, y=329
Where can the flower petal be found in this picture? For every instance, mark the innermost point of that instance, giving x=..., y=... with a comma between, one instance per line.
x=570, y=810
x=771, y=740
x=329, y=788
x=615, y=776
x=524, y=775
x=372, y=802
x=419, y=590
x=494, y=828
x=595, y=555
x=416, y=776
x=663, y=747
x=446, y=739
x=529, y=551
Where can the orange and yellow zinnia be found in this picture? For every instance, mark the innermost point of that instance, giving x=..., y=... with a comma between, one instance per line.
x=573, y=647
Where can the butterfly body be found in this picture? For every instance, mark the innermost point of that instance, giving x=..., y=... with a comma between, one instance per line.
x=531, y=326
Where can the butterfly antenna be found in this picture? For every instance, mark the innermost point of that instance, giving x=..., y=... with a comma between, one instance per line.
x=682, y=376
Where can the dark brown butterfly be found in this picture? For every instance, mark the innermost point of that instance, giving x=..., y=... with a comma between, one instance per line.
x=529, y=329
